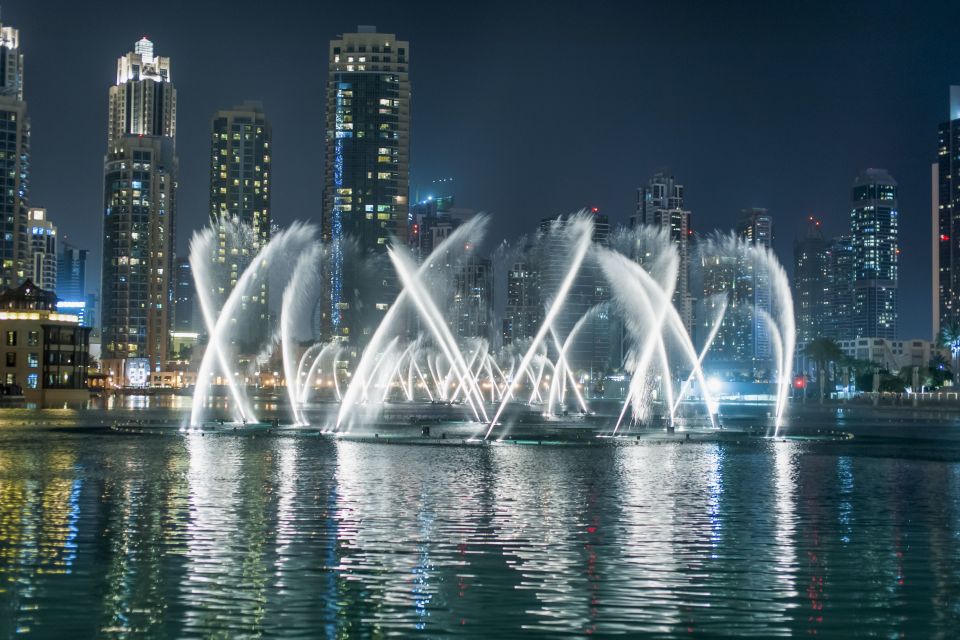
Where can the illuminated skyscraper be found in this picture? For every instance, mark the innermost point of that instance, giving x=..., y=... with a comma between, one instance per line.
x=873, y=227
x=140, y=187
x=240, y=175
x=366, y=182
x=15, y=262
x=946, y=220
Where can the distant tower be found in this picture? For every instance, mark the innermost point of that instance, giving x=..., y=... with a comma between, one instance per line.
x=15, y=262
x=589, y=355
x=810, y=283
x=240, y=177
x=523, y=313
x=660, y=204
x=140, y=193
x=838, y=304
x=873, y=227
x=43, y=250
x=72, y=283
x=946, y=229
x=472, y=308
x=756, y=228
x=367, y=176
x=184, y=298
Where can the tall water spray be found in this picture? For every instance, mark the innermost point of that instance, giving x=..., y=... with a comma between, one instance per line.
x=222, y=322
x=471, y=231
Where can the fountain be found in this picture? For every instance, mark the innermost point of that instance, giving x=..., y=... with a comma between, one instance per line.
x=402, y=365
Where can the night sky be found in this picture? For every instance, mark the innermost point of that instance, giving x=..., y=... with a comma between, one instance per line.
x=533, y=109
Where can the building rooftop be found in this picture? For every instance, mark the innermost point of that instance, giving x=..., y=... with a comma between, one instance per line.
x=28, y=296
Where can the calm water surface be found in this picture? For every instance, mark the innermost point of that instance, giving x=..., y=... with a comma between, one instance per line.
x=112, y=535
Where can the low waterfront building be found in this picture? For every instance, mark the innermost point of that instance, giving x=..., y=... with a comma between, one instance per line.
x=45, y=352
x=892, y=355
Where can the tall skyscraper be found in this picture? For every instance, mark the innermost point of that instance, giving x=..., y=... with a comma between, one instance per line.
x=660, y=204
x=366, y=185
x=873, y=227
x=811, y=283
x=589, y=354
x=946, y=200
x=140, y=189
x=15, y=262
x=43, y=250
x=240, y=175
x=756, y=228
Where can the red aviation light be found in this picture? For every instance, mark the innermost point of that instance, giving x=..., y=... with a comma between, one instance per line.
x=944, y=237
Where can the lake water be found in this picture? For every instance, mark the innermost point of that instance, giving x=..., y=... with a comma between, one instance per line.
x=170, y=536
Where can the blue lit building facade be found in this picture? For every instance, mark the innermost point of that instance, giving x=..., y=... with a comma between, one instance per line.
x=366, y=186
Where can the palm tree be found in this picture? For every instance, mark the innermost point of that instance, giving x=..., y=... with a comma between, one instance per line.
x=823, y=351
x=949, y=337
x=938, y=371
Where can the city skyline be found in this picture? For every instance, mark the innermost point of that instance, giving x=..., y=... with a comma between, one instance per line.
x=820, y=127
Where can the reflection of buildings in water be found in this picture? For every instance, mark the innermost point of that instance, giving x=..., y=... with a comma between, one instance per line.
x=647, y=488
x=143, y=500
x=540, y=526
x=39, y=509
x=397, y=526
x=227, y=573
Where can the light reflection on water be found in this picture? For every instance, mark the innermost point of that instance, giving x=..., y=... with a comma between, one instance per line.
x=107, y=535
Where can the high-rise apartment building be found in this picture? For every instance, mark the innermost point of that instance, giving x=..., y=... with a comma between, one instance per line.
x=366, y=185
x=838, y=322
x=15, y=264
x=732, y=346
x=140, y=189
x=660, y=204
x=946, y=219
x=240, y=177
x=874, y=230
x=523, y=313
x=43, y=250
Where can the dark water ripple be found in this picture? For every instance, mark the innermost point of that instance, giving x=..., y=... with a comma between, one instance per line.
x=105, y=535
